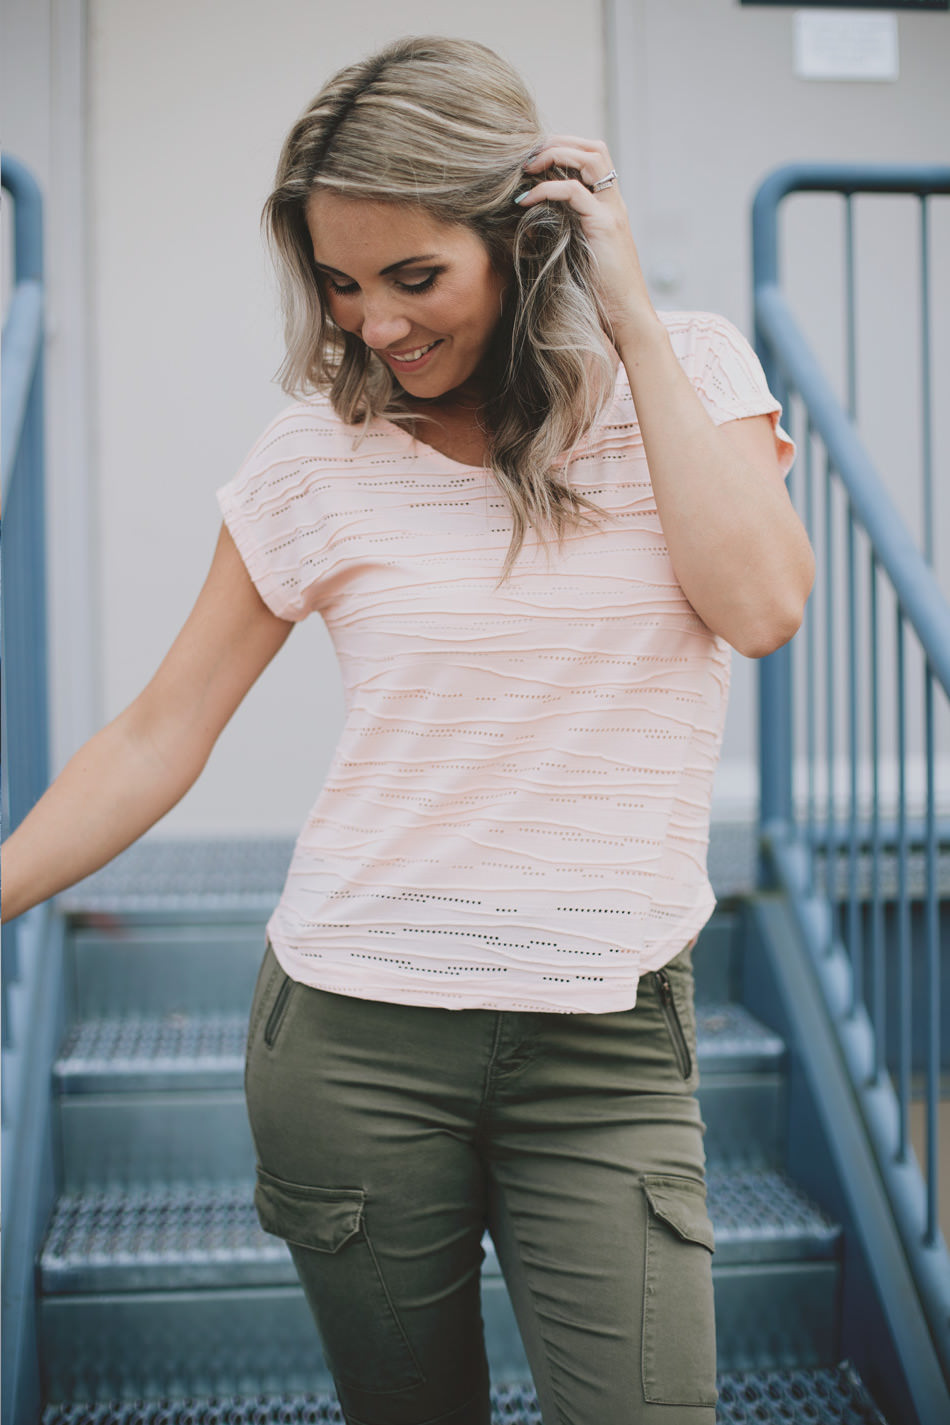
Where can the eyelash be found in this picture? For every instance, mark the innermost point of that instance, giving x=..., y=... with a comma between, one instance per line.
x=349, y=288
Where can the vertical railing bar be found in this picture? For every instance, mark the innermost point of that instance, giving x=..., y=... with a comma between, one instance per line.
x=933, y=968
x=925, y=380
x=855, y=948
x=831, y=849
x=793, y=483
x=892, y=949
x=811, y=690
x=851, y=328
x=879, y=1012
x=903, y=907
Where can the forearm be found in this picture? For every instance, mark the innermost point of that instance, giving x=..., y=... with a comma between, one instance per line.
x=736, y=544
x=132, y=772
x=116, y=786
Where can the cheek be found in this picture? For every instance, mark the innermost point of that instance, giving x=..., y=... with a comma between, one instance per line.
x=341, y=312
x=468, y=314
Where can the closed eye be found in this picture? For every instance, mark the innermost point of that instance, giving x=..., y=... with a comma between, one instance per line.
x=341, y=289
x=422, y=286
x=347, y=289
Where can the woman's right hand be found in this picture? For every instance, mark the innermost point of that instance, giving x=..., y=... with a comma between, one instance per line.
x=126, y=777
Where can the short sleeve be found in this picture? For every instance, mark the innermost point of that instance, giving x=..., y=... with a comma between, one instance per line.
x=729, y=380
x=274, y=511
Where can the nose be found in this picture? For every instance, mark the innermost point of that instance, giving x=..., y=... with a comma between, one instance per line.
x=383, y=323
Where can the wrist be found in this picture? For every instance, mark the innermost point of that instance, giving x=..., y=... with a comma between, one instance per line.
x=639, y=336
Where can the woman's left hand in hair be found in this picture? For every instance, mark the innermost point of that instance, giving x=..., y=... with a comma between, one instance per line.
x=736, y=544
x=606, y=225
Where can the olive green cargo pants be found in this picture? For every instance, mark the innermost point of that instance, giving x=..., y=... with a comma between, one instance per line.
x=389, y=1136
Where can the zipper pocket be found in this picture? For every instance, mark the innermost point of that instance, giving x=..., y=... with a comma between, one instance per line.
x=673, y=1023
x=277, y=1013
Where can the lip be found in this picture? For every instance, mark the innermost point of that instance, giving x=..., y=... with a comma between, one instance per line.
x=391, y=358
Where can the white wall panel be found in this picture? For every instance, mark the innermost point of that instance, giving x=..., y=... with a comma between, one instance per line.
x=706, y=104
x=189, y=104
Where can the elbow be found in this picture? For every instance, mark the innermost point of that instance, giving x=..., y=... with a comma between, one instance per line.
x=760, y=642
x=777, y=622
x=772, y=631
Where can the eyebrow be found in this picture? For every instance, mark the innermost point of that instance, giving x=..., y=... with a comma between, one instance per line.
x=385, y=271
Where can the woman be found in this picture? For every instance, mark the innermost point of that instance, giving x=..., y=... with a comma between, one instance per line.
x=534, y=515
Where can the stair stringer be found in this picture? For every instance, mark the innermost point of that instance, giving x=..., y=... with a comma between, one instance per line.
x=884, y=1330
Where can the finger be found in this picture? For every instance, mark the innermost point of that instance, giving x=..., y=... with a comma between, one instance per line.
x=589, y=149
x=574, y=141
x=592, y=166
x=561, y=190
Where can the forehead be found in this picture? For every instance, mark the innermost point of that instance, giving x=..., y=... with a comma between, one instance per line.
x=375, y=235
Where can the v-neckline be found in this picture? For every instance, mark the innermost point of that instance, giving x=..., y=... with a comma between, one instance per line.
x=429, y=449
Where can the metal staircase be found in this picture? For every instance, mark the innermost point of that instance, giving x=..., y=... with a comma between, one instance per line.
x=137, y=1287
x=161, y=1298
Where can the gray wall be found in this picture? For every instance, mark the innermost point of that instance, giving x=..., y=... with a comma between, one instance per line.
x=182, y=107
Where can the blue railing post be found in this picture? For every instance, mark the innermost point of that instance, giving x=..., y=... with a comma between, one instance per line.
x=23, y=653
x=30, y=973
x=891, y=1046
x=775, y=672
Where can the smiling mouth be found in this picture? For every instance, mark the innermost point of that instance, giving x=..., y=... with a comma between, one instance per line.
x=406, y=357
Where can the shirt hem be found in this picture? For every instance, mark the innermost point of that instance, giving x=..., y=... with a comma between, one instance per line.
x=619, y=995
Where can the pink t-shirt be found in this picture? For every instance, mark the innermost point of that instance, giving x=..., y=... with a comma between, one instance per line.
x=517, y=813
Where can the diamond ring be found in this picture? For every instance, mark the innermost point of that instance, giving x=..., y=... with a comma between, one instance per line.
x=604, y=182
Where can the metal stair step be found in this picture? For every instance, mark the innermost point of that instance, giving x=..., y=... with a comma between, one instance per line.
x=152, y=1053
x=189, y=967
x=793, y=1397
x=143, y=1053
x=731, y=1040
x=185, y=1235
x=261, y=1339
x=192, y=964
x=158, y=878
x=760, y=1215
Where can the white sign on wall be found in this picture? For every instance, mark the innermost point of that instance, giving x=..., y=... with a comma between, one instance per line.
x=846, y=44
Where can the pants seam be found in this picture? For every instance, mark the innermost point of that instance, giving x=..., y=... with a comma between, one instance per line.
x=484, y=1104
x=547, y=1352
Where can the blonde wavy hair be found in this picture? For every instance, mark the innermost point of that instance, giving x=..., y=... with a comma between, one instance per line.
x=446, y=125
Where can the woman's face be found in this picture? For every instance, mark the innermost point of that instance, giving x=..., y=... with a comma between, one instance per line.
x=423, y=294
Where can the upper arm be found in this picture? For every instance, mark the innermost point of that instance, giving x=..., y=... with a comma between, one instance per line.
x=752, y=440
x=224, y=645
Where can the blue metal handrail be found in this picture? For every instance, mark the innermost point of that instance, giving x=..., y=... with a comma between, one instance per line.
x=28, y=1027
x=870, y=668
x=22, y=459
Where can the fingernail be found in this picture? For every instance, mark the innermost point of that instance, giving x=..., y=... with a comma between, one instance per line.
x=520, y=197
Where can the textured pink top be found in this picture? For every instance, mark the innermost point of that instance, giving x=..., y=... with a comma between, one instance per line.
x=517, y=813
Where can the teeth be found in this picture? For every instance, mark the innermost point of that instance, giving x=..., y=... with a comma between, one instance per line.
x=411, y=355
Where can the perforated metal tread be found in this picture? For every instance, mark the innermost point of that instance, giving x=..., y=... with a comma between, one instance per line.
x=760, y=1214
x=183, y=1235
x=158, y=877
x=198, y=878
x=834, y=1396
x=730, y=1039
x=149, y=1053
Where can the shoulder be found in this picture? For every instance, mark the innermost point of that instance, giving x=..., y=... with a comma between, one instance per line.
x=703, y=343
x=301, y=427
x=305, y=438
x=702, y=334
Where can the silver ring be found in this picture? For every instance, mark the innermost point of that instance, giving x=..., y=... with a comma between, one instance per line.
x=604, y=182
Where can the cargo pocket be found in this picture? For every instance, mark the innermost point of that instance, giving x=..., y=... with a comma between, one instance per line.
x=363, y=1339
x=679, y=1327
